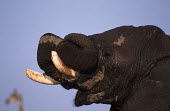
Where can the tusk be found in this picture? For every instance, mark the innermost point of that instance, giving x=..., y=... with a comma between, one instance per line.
x=39, y=77
x=61, y=66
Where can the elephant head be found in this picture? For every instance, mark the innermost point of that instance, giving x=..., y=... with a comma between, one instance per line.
x=104, y=68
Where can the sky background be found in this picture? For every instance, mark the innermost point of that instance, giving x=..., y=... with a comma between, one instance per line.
x=23, y=22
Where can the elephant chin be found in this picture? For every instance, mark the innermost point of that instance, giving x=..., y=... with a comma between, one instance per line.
x=90, y=97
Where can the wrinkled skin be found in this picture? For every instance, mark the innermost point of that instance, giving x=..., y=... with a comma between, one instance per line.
x=127, y=67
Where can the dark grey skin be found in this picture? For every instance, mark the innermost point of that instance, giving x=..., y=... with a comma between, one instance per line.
x=127, y=67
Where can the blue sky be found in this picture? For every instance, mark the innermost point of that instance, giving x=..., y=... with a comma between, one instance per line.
x=23, y=22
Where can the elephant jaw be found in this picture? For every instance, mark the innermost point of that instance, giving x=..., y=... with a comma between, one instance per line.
x=44, y=79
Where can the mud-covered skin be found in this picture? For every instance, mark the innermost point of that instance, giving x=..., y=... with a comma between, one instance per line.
x=131, y=70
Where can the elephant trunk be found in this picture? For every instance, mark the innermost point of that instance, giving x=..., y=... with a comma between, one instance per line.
x=78, y=52
x=71, y=56
x=48, y=42
x=75, y=54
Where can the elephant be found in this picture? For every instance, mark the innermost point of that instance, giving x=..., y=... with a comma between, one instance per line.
x=127, y=67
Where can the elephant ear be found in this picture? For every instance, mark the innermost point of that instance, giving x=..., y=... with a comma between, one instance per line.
x=48, y=42
x=78, y=51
